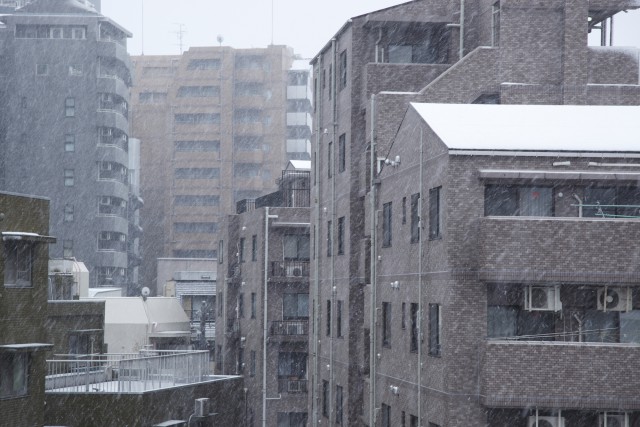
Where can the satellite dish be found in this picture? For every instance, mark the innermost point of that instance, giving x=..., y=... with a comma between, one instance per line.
x=145, y=293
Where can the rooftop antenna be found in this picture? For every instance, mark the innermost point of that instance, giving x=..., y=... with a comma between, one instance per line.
x=180, y=34
x=220, y=39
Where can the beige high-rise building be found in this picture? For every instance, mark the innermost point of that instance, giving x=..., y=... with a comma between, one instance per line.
x=215, y=125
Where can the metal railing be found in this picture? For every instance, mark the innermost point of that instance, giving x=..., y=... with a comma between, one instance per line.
x=290, y=327
x=292, y=385
x=290, y=269
x=126, y=373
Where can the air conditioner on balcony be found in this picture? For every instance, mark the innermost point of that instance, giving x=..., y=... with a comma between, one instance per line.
x=545, y=421
x=294, y=271
x=542, y=298
x=201, y=407
x=613, y=420
x=294, y=386
x=294, y=329
x=614, y=299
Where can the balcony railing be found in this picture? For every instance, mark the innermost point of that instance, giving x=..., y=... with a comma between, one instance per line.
x=292, y=386
x=126, y=373
x=290, y=327
x=294, y=269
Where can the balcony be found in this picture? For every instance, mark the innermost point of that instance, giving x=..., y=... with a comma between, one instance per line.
x=290, y=269
x=127, y=373
x=560, y=375
x=290, y=328
x=292, y=385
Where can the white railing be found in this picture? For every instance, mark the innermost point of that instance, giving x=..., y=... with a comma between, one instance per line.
x=126, y=373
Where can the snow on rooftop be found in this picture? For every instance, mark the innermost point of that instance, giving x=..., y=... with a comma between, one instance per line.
x=534, y=127
x=300, y=164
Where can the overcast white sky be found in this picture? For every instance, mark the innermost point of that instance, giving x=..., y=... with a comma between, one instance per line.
x=305, y=25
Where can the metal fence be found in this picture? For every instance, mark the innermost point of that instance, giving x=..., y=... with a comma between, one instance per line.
x=126, y=373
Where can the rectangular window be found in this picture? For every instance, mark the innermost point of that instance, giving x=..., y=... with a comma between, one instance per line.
x=18, y=263
x=404, y=210
x=339, y=319
x=330, y=80
x=204, y=64
x=434, y=213
x=195, y=227
x=197, y=118
x=415, y=218
x=518, y=200
x=329, y=239
x=325, y=398
x=197, y=173
x=296, y=247
x=292, y=365
x=403, y=316
x=67, y=248
x=198, y=91
x=341, y=235
x=295, y=306
x=328, y=319
x=240, y=305
x=386, y=415
x=70, y=107
x=69, y=178
x=252, y=363
x=197, y=146
x=342, y=142
x=292, y=419
x=386, y=324
x=68, y=213
x=14, y=377
x=330, y=159
x=69, y=143
x=414, y=327
x=434, y=330
x=343, y=69
x=42, y=69
x=403, y=419
x=241, y=250
x=152, y=97
x=413, y=421
x=386, y=225
x=75, y=70
x=240, y=361
x=220, y=251
x=253, y=305
x=495, y=24
x=254, y=248
x=188, y=200
x=339, y=405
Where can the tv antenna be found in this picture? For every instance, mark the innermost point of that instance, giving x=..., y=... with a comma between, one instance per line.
x=180, y=32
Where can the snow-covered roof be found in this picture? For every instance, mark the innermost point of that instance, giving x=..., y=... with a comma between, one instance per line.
x=304, y=165
x=596, y=129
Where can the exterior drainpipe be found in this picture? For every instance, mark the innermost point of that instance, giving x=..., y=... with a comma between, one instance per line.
x=420, y=253
x=373, y=272
x=460, y=26
x=334, y=118
x=267, y=217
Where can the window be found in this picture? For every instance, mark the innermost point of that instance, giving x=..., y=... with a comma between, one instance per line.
x=495, y=24
x=68, y=213
x=518, y=200
x=188, y=200
x=69, y=177
x=434, y=330
x=612, y=202
x=195, y=227
x=292, y=419
x=328, y=319
x=204, y=64
x=241, y=250
x=330, y=80
x=404, y=210
x=240, y=361
x=330, y=159
x=386, y=415
x=220, y=251
x=254, y=248
x=386, y=324
x=415, y=218
x=292, y=365
x=249, y=143
x=341, y=235
x=339, y=405
x=295, y=306
x=339, y=319
x=403, y=419
x=197, y=118
x=198, y=91
x=14, y=368
x=386, y=225
x=67, y=248
x=69, y=143
x=240, y=305
x=248, y=115
x=325, y=398
x=75, y=70
x=343, y=69
x=249, y=89
x=251, y=62
x=248, y=170
x=194, y=253
x=329, y=239
x=414, y=315
x=152, y=97
x=342, y=141
x=18, y=263
x=112, y=241
x=197, y=173
x=70, y=107
x=403, y=316
x=434, y=213
x=413, y=421
x=197, y=146
x=42, y=69
x=252, y=363
x=253, y=305
x=296, y=247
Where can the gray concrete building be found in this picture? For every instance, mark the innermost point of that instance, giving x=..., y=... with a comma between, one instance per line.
x=64, y=131
x=262, y=324
x=506, y=52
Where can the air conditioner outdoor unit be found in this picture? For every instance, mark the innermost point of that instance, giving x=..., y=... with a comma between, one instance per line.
x=201, y=407
x=294, y=386
x=614, y=299
x=294, y=329
x=545, y=421
x=542, y=298
x=613, y=420
x=294, y=271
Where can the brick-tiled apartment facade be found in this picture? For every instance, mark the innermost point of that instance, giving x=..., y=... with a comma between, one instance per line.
x=512, y=52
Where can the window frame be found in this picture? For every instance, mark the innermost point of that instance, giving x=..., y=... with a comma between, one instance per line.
x=8, y=363
x=341, y=222
x=386, y=324
x=342, y=152
x=435, y=213
x=18, y=254
x=435, y=330
x=70, y=106
x=415, y=218
x=387, y=224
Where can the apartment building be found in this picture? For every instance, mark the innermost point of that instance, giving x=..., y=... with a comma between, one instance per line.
x=65, y=128
x=15, y=4
x=506, y=52
x=24, y=225
x=217, y=126
x=262, y=324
